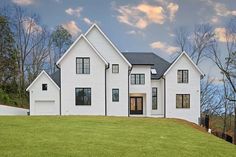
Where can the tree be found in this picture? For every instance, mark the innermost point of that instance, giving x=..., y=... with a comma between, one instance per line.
x=61, y=39
x=7, y=54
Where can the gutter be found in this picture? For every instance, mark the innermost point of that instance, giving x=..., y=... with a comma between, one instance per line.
x=106, y=67
x=60, y=90
x=164, y=97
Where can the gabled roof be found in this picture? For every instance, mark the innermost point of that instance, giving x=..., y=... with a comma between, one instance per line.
x=42, y=73
x=176, y=60
x=148, y=58
x=82, y=37
x=116, y=49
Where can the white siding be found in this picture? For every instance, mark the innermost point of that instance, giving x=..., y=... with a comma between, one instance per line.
x=146, y=89
x=70, y=80
x=159, y=84
x=52, y=94
x=193, y=88
x=114, y=80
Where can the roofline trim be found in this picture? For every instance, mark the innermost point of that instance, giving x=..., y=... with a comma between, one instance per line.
x=176, y=60
x=69, y=49
x=104, y=35
x=42, y=72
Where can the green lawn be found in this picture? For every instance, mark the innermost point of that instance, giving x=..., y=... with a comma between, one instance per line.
x=106, y=136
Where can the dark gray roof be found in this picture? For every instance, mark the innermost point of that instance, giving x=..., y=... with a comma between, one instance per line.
x=148, y=58
x=56, y=77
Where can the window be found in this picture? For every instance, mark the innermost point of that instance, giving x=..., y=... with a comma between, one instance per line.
x=182, y=76
x=137, y=79
x=115, y=95
x=83, y=96
x=182, y=100
x=115, y=68
x=44, y=86
x=154, y=98
x=82, y=65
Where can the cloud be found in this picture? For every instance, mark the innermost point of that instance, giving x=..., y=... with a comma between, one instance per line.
x=30, y=26
x=173, y=8
x=136, y=32
x=215, y=19
x=75, y=12
x=23, y=2
x=87, y=21
x=144, y=14
x=72, y=28
x=164, y=47
x=220, y=34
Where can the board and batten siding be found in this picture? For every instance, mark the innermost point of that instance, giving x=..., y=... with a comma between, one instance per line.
x=70, y=80
x=114, y=80
x=192, y=87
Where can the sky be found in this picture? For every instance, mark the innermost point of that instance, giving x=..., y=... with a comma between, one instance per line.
x=135, y=25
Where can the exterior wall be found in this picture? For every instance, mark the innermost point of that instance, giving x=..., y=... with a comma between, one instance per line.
x=114, y=80
x=192, y=87
x=9, y=110
x=52, y=94
x=146, y=89
x=159, y=84
x=70, y=80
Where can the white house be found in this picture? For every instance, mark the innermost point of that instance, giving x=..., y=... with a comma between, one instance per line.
x=95, y=78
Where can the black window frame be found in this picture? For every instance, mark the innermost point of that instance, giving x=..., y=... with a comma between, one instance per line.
x=137, y=79
x=118, y=70
x=44, y=87
x=154, y=95
x=183, y=106
x=89, y=100
x=115, y=100
x=83, y=65
x=182, y=80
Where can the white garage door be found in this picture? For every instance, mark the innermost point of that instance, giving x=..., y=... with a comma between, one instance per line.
x=46, y=107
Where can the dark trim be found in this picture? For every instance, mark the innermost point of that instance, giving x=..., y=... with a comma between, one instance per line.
x=144, y=64
x=129, y=72
x=116, y=89
x=139, y=83
x=182, y=103
x=83, y=99
x=82, y=65
x=155, y=97
x=136, y=111
x=164, y=97
x=182, y=73
x=106, y=67
x=118, y=68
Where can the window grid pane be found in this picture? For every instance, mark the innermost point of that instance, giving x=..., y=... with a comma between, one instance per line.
x=182, y=100
x=115, y=95
x=115, y=68
x=83, y=96
x=82, y=65
x=154, y=98
x=137, y=79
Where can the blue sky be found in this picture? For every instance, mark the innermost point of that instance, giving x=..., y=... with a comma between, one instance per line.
x=134, y=25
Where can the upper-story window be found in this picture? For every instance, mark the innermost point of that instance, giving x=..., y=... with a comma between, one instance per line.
x=137, y=79
x=115, y=68
x=83, y=65
x=182, y=76
x=44, y=86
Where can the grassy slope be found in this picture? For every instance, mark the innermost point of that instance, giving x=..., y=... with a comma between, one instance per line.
x=106, y=136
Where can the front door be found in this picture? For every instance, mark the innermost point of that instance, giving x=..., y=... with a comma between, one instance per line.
x=136, y=105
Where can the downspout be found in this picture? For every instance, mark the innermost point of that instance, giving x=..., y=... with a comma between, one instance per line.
x=164, y=97
x=106, y=67
x=59, y=90
x=129, y=71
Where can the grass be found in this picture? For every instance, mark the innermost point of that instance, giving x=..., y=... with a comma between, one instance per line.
x=74, y=136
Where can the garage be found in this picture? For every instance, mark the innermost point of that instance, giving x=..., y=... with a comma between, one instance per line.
x=44, y=95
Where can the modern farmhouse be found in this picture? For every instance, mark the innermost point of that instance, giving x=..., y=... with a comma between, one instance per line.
x=95, y=78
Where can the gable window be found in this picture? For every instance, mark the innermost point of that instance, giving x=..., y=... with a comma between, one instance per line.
x=182, y=100
x=137, y=79
x=83, y=96
x=115, y=95
x=182, y=76
x=82, y=65
x=44, y=86
x=115, y=68
x=154, y=98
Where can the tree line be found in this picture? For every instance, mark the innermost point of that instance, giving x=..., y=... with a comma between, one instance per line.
x=27, y=46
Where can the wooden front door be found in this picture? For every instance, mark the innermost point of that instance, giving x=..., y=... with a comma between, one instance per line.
x=136, y=105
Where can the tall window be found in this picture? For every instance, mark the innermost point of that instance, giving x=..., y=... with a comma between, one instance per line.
x=182, y=76
x=154, y=98
x=115, y=68
x=182, y=100
x=83, y=96
x=137, y=79
x=115, y=95
x=82, y=65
